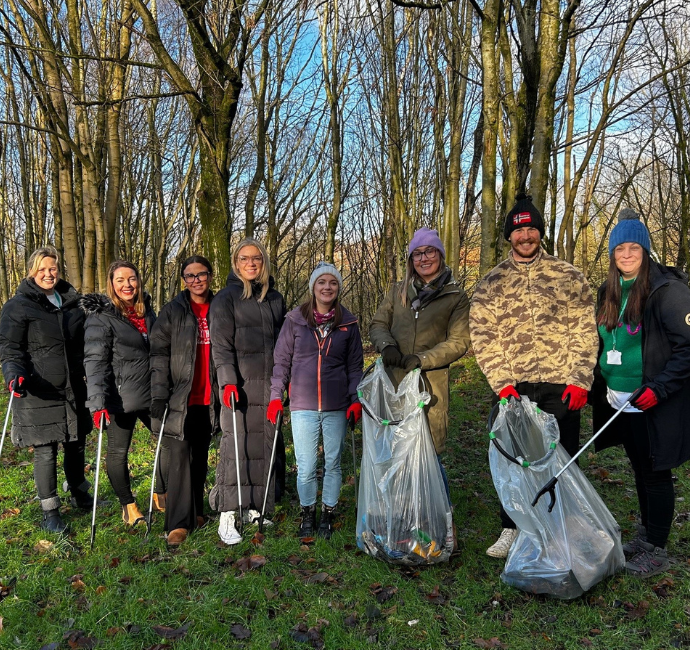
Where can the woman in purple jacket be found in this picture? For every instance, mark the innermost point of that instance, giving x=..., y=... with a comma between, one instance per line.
x=319, y=356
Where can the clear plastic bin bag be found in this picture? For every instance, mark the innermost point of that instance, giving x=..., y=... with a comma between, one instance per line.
x=562, y=553
x=404, y=516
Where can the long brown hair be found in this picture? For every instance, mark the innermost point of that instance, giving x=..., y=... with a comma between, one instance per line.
x=609, y=310
x=411, y=274
x=139, y=306
x=263, y=277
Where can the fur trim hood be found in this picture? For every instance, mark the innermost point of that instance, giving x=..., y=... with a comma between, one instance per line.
x=95, y=303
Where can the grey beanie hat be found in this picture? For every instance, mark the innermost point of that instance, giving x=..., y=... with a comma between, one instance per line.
x=325, y=268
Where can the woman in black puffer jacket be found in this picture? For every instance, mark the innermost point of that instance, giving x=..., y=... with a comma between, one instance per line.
x=116, y=358
x=42, y=352
x=183, y=378
x=246, y=318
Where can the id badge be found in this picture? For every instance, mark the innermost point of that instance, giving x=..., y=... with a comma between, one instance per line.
x=613, y=357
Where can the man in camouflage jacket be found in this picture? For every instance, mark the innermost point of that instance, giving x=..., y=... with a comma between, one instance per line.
x=534, y=333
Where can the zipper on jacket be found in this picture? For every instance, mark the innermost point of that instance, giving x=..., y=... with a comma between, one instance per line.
x=318, y=368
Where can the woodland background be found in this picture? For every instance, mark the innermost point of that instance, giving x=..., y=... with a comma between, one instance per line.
x=155, y=129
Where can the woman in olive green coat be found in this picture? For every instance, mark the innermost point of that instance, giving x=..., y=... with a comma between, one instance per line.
x=423, y=322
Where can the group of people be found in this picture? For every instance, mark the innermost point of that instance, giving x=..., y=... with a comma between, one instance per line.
x=233, y=361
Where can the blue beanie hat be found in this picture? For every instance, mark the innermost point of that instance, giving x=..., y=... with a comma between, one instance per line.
x=629, y=229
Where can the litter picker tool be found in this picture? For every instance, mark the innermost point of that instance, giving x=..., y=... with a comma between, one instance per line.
x=354, y=455
x=156, y=459
x=7, y=419
x=279, y=423
x=550, y=487
x=237, y=464
x=95, y=483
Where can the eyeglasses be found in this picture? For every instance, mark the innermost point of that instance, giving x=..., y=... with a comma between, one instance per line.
x=257, y=259
x=190, y=277
x=429, y=253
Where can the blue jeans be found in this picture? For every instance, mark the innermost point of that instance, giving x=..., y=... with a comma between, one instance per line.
x=307, y=427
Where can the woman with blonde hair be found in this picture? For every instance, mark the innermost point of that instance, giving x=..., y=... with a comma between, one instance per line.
x=42, y=353
x=245, y=319
x=116, y=358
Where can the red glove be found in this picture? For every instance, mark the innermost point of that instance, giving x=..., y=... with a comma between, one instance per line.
x=228, y=390
x=646, y=400
x=577, y=395
x=275, y=406
x=97, y=418
x=19, y=391
x=509, y=391
x=356, y=410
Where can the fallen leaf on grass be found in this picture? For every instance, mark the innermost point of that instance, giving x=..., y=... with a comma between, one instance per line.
x=43, y=546
x=240, y=632
x=294, y=560
x=383, y=594
x=258, y=538
x=586, y=642
x=51, y=646
x=436, y=597
x=372, y=612
x=601, y=473
x=170, y=633
x=637, y=611
x=78, y=639
x=249, y=563
x=493, y=642
x=307, y=540
x=10, y=512
x=112, y=631
x=114, y=563
x=6, y=589
x=125, y=580
x=351, y=620
x=100, y=590
x=317, y=578
x=312, y=635
x=661, y=587
x=270, y=595
x=78, y=585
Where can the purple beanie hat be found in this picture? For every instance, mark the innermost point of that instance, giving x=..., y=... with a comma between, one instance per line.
x=426, y=237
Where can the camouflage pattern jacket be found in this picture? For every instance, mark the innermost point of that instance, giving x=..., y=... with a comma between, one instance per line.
x=534, y=323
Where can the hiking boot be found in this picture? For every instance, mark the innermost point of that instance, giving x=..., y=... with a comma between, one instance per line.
x=226, y=529
x=306, y=528
x=326, y=524
x=159, y=501
x=177, y=536
x=132, y=516
x=503, y=543
x=252, y=517
x=80, y=495
x=633, y=547
x=650, y=561
x=53, y=523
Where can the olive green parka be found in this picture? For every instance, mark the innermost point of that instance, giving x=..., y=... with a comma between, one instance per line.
x=438, y=334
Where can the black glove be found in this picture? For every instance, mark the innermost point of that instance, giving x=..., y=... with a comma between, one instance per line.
x=410, y=362
x=158, y=408
x=391, y=356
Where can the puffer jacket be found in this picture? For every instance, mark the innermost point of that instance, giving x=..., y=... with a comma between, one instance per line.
x=323, y=374
x=666, y=370
x=173, y=357
x=438, y=333
x=45, y=345
x=116, y=357
x=243, y=336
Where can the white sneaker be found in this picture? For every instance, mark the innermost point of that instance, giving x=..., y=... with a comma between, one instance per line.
x=252, y=517
x=502, y=546
x=226, y=529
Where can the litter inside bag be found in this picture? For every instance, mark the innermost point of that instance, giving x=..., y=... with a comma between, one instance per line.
x=404, y=512
x=565, y=552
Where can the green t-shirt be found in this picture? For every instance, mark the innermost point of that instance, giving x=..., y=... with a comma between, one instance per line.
x=627, y=339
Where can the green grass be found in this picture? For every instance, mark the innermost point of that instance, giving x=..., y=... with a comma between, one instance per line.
x=127, y=585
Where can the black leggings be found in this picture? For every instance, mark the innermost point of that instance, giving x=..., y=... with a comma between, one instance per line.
x=120, y=432
x=187, y=468
x=654, y=488
x=548, y=398
x=45, y=470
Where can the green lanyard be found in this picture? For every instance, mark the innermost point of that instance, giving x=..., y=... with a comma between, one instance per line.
x=620, y=315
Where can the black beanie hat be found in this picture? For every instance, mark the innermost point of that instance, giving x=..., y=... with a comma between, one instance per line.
x=523, y=215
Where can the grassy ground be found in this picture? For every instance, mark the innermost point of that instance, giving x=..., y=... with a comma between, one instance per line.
x=130, y=592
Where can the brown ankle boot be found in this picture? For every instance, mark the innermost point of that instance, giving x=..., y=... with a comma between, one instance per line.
x=131, y=515
x=177, y=536
x=159, y=501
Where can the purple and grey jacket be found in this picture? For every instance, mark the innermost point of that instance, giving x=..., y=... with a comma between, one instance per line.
x=322, y=374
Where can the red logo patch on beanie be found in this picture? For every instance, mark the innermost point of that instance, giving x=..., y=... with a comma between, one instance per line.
x=522, y=218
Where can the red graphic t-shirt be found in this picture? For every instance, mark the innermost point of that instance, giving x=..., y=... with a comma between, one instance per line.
x=201, y=384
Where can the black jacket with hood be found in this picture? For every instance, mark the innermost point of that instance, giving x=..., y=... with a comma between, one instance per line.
x=243, y=335
x=666, y=370
x=45, y=345
x=116, y=357
x=173, y=358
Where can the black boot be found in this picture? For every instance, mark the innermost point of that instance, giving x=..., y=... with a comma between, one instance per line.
x=81, y=498
x=327, y=520
x=52, y=522
x=306, y=528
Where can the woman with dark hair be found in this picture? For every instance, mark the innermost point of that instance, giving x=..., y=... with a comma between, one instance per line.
x=644, y=329
x=423, y=322
x=183, y=379
x=319, y=355
x=42, y=352
x=116, y=358
x=246, y=317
